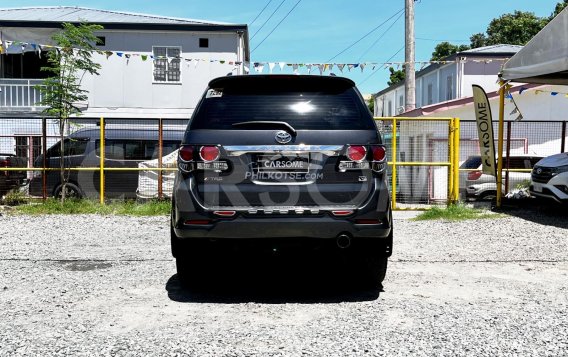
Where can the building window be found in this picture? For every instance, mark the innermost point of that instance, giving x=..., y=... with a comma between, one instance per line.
x=203, y=42
x=430, y=94
x=28, y=147
x=401, y=101
x=449, y=88
x=389, y=111
x=167, y=67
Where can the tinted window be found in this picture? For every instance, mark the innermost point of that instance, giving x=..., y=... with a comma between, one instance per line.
x=134, y=149
x=317, y=110
x=472, y=162
x=72, y=147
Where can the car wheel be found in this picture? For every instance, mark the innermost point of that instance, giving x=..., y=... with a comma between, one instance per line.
x=370, y=262
x=488, y=196
x=71, y=191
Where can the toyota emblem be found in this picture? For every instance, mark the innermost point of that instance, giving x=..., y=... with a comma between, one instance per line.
x=539, y=171
x=283, y=137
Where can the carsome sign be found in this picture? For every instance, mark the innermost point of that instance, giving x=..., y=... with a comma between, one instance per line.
x=485, y=130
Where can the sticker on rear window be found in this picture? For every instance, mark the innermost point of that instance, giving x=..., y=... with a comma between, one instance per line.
x=213, y=93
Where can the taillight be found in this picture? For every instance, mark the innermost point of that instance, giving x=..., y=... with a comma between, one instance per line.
x=379, y=153
x=356, y=153
x=342, y=213
x=474, y=175
x=186, y=153
x=209, y=153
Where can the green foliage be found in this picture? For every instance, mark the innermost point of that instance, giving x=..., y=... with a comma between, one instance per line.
x=371, y=104
x=74, y=206
x=396, y=76
x=15, y=198
x=524, y=185
x=67, y=66
x=445, y=49
x=558, y=9
x=514, y=29
x=456, y=212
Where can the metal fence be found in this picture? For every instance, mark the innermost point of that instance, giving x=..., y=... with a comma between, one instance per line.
x=137, y=160
x=135, y=163
x=424, y=170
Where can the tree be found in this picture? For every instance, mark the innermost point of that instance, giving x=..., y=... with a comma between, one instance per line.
x=396, y=76
x=558, y=9
x=445, y=49
x=371, y=105
x=516, y=28
x=68, y=63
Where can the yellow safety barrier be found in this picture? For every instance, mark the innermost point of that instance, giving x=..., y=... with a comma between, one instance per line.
x=453, y=155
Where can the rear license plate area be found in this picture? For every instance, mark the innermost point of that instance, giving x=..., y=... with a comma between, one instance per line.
x=298, y=163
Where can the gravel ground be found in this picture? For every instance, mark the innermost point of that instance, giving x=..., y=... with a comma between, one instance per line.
x=94, y=285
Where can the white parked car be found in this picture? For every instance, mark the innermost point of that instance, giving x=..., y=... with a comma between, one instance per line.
x=549, y=178
x=479, y=186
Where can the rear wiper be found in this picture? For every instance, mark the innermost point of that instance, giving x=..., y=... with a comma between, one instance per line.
x=268, y=123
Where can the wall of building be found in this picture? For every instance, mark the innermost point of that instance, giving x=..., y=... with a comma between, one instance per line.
x=126, y=87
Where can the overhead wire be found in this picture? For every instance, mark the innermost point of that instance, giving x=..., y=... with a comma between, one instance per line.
x=375, y=71
x=269, y=17
x=367, y=34
x=275, y=27
x=380, y=37
x=260, y=13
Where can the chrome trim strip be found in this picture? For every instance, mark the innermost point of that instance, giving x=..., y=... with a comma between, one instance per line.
x=238, y=150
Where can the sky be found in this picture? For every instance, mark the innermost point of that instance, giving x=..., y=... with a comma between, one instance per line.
x=318, y=32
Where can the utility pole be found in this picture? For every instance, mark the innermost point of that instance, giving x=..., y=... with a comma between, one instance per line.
x=410, y=82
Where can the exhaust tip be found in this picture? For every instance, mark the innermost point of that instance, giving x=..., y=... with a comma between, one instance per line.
x=343, y=241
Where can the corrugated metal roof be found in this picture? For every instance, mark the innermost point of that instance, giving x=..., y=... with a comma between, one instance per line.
x=60, y=14
x=495, y=49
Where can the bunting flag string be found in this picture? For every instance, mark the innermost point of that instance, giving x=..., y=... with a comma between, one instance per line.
x=258, y=67
x=539, y=91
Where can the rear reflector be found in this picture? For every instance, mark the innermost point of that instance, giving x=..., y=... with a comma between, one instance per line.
x=197, y=222
x=474, y=175
x=342, y=213
x=379, y=153
x=356, y=152
x=367, y=221
x=224, y=213
x=186, y=153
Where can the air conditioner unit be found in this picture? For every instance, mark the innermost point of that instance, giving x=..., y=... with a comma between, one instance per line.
x=399, y=110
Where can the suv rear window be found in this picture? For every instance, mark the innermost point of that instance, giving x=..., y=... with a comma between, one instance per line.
x=315, y=109
x=472, y=162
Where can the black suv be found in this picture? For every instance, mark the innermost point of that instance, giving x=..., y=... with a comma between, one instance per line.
x=271, y=160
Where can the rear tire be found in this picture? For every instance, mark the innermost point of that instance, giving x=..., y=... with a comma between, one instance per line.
x=71, y=191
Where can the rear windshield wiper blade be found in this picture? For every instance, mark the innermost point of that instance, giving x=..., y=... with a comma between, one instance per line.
x=268, y=123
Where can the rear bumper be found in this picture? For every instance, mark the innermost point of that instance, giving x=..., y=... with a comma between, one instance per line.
x=284, y=227
x=312, y=222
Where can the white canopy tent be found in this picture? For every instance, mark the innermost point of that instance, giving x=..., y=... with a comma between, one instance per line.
x=544, y=59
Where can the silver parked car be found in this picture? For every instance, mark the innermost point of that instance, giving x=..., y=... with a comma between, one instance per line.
x=479, y=186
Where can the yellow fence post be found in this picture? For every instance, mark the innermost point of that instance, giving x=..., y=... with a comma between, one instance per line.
x=500, y=144
x=102, y=162
x=451, y=161
x=393, y=176
x=456, y=167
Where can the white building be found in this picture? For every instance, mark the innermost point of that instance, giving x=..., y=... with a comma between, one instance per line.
x=152, y=66
x=443, y=82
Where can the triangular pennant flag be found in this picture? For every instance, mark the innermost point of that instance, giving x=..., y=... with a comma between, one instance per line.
x=108, y=54
x=341, y=66
x=295, y=68
x=508, y=95
x=309, y=67
x=258, y=67
x=271, y=66
x=231, y=63
x=195, y=63
x=222, y=62
x=331, y=67
x=281, y=64
x=119, y=54
x=246, y=68
x=362, y=66
x=537, y=92
x=144, y=57
x=325, y=66
x=522, y=90
x=321, y=68
x=127, y=56
x=520, y=117
x=554, y=94
x=350, y=67
x=515, y=111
